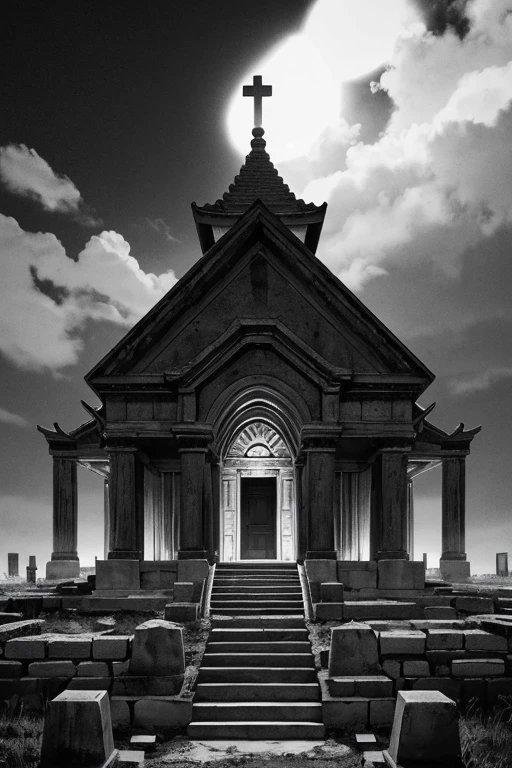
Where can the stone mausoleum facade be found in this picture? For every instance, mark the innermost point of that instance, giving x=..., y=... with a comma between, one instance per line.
x=258, y=411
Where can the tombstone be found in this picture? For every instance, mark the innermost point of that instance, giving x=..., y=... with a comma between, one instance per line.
x=157, y=649
x=31, y=569
x=501, y=563
x=353, y=651
x=78, y=731
x=425, y=560
x=425, y=731
x=13, y=563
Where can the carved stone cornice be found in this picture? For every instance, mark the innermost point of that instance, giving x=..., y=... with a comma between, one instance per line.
x=320, y=437
x=194, y=438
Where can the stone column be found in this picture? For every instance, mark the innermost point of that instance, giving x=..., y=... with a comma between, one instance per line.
x=453, y=563
x=64, y=562
x=389, y=505
x=319, y=447
x=192, y=450
x=125, y=535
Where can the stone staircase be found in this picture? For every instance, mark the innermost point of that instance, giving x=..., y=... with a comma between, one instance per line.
x=257, y=679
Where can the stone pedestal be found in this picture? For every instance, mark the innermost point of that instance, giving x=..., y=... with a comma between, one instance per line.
x=454, y=570
x=117, y=575
x=78, y=731
x=62, y=569
x=64, y=562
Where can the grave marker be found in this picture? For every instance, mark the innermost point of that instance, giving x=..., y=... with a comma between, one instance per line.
x=501, y=563
x=31, y=569
x=13, y=563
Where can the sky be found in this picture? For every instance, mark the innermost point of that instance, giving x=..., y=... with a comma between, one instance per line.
x=116, y=116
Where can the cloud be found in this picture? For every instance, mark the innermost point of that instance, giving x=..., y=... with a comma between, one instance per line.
x=480, y=381
x=12, y=418
x=160, y=226
x=46, y=298
x=25, y=173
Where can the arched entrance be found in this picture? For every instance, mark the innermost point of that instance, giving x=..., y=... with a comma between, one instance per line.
x=258, y=495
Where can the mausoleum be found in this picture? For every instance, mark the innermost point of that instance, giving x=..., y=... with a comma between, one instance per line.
x=259, y=411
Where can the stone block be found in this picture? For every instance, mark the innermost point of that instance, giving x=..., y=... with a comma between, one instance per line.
x=478, y=667
x=77, y=730
x=328, y=611
x=368, y=686
x=90, y=684
x=118, y=574
x=157, y=649
x=478, y=640
x=360, y=579
x=416, y=668
x=331, y=592
x=119, y=711
x=363, y=610
x=353, y=651
x=10, y=618
x=444, y=640
x=372, y=757
x=446, y=685
x=10, y=669
x=110, y=648
x=408, y=643
x=51, y=603
x=120, y=668
x=162, y=712
x=92, y=669
x=145, y=741
x=381, y=711
x=25, y=648
x=51, y=669
x=63, y=569
x=365, y=740
x=454, y=570
x=183, y=591
x=131, y=758
x=442, y=612
x=142, y=685
x=192, y=570
x=497, y=689
x=391, y=668
x=183, y=613
x=425, y=729
x=345, y=713
x=400, y=574
x=69, y=647
x=355, y=565
x=321, y=571
x=474, y=604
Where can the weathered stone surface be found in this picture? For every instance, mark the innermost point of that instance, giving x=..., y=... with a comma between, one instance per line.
x=400, y=574
x=358, y=579
x=120, y=711
x=52, y=669
x=370, y=686
x=135, y=685
x=163, y=712
x=443, y=639
x=62, y=569
x=90, y=684
x=331, y=592
x=120, y=668
x=321, y=571
x=10, y=669
x=10, y=618
x=391, y=668
x=440, y=612
x=183, y=613
x=110, y=648
x=446, y=685
x=344, y=712
x=498, y=688
x=77, y=730
x=328, y=611
x=183, y=591
x=425, y=729
x=25, y=648
x=118, y=574
x=353, y=650
x=131, y=758
x=474, y=604
x=157, y=649
x=454, y=570
x=478, y=667
x=92, y=669
x=145, y=741
x=416, y=668
x=477, y=640
x=381, y=711
x=192, y=570
x=408, y=643
x=362, y=610
x=69, y=647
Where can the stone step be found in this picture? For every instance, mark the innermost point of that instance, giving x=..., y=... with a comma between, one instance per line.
x=271, y=646
x=258, y=659
x=256, y=572
x=255, y=635
x=258, y=611
x=246, y=566
x=283, y=621
x=253, y=730
x=249, y=602
x=249, y=593
x=257, y=692
x=257, y=581
x=230, y=589
x=257, y=674
x=270, y=711
x=362, y=610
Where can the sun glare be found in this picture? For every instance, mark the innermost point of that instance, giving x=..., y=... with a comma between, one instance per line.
x=341, y=40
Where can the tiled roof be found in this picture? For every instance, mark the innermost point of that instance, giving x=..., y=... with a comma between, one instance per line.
x=259, y=179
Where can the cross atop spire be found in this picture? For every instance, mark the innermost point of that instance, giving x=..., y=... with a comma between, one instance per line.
x=257, y=90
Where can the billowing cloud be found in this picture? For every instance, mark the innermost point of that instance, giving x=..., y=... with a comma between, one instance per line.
x=25, y=173
x=485, y=379
x=47, y=298
x=7, y=417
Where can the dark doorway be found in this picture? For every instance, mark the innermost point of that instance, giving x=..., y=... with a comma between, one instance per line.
x=258, y=518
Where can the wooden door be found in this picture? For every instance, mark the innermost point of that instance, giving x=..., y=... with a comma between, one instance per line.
x=258, y=518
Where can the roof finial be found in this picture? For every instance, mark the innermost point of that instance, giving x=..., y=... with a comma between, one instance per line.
x=257, y=90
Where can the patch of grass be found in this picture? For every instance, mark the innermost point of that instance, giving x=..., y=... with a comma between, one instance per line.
x=20, y=737
x=486, y=736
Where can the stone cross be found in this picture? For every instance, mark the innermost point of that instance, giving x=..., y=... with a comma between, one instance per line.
x=257, y=90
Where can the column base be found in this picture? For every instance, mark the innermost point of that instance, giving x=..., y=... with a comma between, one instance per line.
x=400, y=574
x=125, y=554
x=454, y=570
x=393, y=554
x=192, y=554
x=321, y=554
x=63, y=569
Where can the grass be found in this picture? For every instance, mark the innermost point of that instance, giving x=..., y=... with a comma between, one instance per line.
x=486, y=737
x=20, y=737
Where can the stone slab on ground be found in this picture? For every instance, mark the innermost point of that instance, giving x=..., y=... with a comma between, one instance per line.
x=145, y=741
x=354, y=650
x=111, y=648
x=373, y=757
x=365, y=739
x=131, y=758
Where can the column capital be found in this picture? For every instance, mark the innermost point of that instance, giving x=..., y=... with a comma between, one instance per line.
x=319, y=437
x=193, y=438
x=120, y=446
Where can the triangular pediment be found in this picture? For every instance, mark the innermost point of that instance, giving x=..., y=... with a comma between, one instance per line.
x=260, y=273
